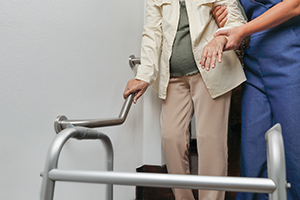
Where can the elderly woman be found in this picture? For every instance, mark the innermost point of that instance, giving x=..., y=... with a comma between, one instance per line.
x=173, y=40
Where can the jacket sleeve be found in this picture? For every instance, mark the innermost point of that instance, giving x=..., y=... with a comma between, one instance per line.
x=151, y=44
x=234, y=17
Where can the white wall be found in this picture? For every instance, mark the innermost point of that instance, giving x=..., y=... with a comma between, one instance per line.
x=69, y=57
x=152, y=152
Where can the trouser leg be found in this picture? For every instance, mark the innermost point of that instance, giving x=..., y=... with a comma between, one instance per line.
x=211, y=117
x=256, y=120
x=176, y=114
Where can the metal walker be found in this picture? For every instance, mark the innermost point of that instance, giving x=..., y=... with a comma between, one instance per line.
x=275, y=184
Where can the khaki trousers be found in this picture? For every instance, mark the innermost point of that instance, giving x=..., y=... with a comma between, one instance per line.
x=186, y=96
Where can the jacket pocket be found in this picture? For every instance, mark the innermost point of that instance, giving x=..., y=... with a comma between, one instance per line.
x=162, y=2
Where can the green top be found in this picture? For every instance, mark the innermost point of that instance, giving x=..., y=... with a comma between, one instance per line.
x=182, y=60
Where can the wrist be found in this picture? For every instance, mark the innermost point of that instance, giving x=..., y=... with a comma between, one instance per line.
x=243, y=30
x=225, y=37
x=222, y=38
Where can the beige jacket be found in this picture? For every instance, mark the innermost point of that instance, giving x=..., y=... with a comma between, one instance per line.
x=162, y=18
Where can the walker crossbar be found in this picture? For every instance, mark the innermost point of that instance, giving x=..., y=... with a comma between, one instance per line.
x=259, y=185
x=275, y=184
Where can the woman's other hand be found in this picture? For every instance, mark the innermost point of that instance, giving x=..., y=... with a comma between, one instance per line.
x=211, y=51
x=135, y=86
x=220, y=14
